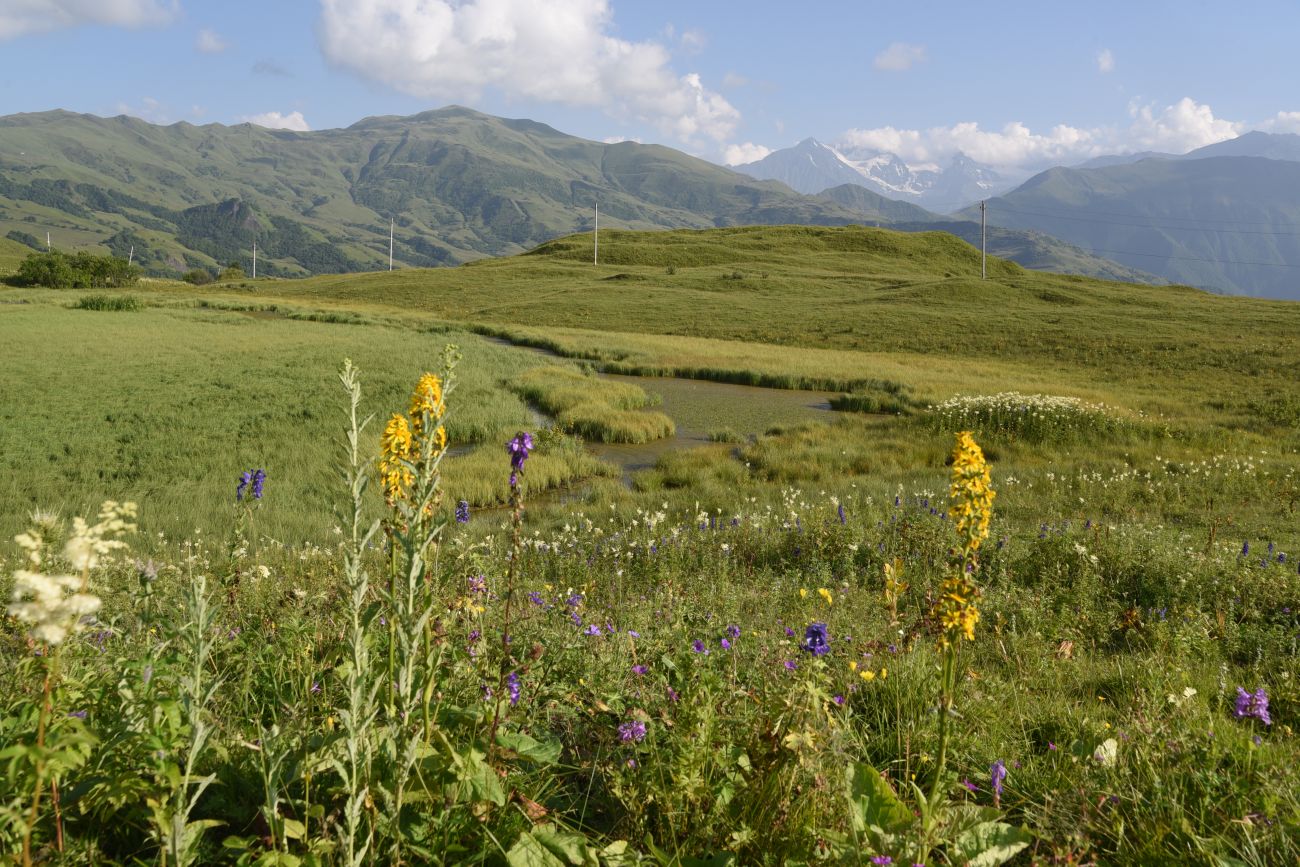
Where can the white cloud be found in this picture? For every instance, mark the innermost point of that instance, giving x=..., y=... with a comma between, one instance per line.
x=693, y=41
x=734, y=79
x=900, y=56
x=560, y=51
x=736, y=154
x=210, y=42
x=275, y=120
x=619, y=139
x=18, y=17
x=1178, y=128
x=1105, y=61
x=1283, y=121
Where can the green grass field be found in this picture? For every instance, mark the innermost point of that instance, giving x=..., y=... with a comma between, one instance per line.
x=1141, y=566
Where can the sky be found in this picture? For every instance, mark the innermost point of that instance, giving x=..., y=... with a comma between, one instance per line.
x=1016, y=85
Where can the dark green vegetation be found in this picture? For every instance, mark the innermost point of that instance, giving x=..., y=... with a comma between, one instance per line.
x=1121, y=609
x=56, y=270
x=459, y=184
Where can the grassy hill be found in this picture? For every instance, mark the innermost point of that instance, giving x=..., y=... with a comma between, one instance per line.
x=831, y=306
x=460, y=185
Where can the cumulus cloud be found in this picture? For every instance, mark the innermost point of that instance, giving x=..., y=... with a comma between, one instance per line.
x=275, y=120
x=149, y=109
x=1178, y=128
x=900, y=56
x=210, y=42
x=560, y=51
x=736, y=154
x=18, y=17
x=1105, y=61
x=1283, y=121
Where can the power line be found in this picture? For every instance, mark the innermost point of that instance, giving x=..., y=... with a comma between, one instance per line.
x=1190, y=258
x=1004, y=208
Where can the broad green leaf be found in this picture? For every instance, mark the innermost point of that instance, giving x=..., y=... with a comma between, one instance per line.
x=569, y=847
x=529, y=852
x=541, y=752
x=875, y=802
x=989, y=844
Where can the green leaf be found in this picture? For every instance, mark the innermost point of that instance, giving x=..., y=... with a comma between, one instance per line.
x=989, y=844
x=541, y=752
x=571, y=848
x=528, y=851
x=875, y=803
x=472, y=768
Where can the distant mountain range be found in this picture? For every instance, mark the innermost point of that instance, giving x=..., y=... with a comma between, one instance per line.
x=811, y=166
x=1223, y=217
x=458, y=184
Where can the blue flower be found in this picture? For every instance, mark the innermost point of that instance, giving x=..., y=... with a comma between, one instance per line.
x=462, y=512
x=816, y=640
x=512, y=686
x=997, y=775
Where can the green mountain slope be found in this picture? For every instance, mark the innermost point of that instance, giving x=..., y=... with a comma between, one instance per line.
x=1224, y=223
x=459, y=184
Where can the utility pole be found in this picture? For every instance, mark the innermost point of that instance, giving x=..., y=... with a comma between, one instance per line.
x=131, y=258
x=48, y=248
x=255, y=259
x=392, y=221
x=984, y=251
x=595, y=238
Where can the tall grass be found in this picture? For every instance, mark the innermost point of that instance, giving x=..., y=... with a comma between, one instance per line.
x=596, y=409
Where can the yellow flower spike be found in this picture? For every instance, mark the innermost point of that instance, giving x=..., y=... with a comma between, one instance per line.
x=853, y=665
x=427, y=397
x=826, y=594
x=884, y=672
x=396, y=445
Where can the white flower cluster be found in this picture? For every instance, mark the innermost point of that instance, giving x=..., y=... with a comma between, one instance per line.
x=1015, y=402
x=1030, y=415
x=55, y=604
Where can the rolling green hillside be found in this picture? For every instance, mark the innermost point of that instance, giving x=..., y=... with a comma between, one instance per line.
x=1222, y=223
x=831, y=307
x=459, y=185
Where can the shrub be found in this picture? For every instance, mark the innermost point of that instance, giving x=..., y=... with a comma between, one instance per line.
x=197, y=276
x=78, y=271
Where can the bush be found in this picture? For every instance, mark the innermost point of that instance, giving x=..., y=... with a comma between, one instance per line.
x=197, y=276
x=78, y=271
x=233, y=271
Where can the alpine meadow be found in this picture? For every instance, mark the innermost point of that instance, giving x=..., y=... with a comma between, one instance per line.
x=386, y=484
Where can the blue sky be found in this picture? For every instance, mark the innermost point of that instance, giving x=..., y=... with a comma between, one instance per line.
x=1014, y=84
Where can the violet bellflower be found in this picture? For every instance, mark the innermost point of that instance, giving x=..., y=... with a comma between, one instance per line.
x=816, y=640
x=1252, y=705
x=997, y=775
x=462, y=512
x=518, y=448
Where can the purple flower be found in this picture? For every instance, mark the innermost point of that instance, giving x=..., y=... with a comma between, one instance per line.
x=816, y=640
x=726, y=645
x=997, y=775
x=536, y=598
x=1245, y=548
x=882, y=860
x=244, y=478
x=259, y=479
x=315, y=686
x=639, y=669
x=672, y=694
x=632, y=731
x=733, y=630
x=839, y=700
x=79, y=714
x=789, y=633
x=698, y=646
x=462, y=512
x=593, y=629
x=518, y=448
x=791, y=665
x=477, y=584
x=512, y=686
x=634, y=633
x=840, y=510
x=969, y=785
x=1253, y=706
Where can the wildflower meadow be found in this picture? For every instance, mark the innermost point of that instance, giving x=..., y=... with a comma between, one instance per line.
x=385, y=611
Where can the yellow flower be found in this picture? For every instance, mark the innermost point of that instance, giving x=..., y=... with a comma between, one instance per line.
x=971, y=493
x=397, y=446
x=867, y=675
x=884, y=672
x=427, y=398
x=826, y=594
x=803, y=593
